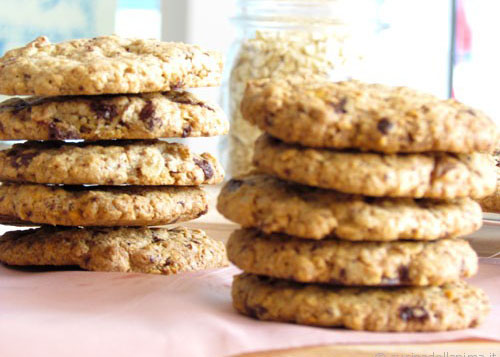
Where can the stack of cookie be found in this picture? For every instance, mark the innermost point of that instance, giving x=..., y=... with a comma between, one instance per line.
x=95, y=199
x=355, y=218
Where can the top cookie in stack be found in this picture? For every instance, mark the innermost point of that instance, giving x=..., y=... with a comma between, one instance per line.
x=104, y=90
x=363, y=185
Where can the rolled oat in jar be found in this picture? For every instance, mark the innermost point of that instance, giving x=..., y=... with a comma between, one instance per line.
x=281, y=38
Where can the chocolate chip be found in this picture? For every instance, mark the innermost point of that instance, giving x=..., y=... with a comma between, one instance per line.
x=413, y=313
x=147, y=111
x=168, y=262
x=384, y=126
x=147, y=115
x=20, y=158
x=205, y=166
x=339, y=107
x=255, y=311
x=156, y=238
x=186, y=131
x=104, y=110
x=233, y=185
x=404, y=274
x=56, y=133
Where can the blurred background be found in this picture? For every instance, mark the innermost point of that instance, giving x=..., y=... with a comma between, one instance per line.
x=446, y=47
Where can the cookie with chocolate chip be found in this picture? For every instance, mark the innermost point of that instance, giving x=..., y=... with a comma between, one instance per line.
x=140, y=116
x=138, y=162
x=142, y=250
x=100, y=205
x=339, y=262
x=431, y=175
x=370, y=117
x=452, y=306
x=277, y=206
x=106, y=65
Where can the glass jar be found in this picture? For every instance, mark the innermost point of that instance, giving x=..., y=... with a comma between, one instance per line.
x=279, y=38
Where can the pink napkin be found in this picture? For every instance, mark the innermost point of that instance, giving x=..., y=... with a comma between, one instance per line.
x=76, y=313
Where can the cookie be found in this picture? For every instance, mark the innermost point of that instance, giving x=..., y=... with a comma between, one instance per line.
x=337, y=262
x=106, y=65
x=139, y=162
x=101, y=206
x=431, y=175
x=492, y=203
x=412, y=309
x=276, y=206
x=365, y=116
x=142, y=250
x=140, y=116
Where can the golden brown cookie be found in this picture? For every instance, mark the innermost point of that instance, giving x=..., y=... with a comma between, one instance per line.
x=106, y=65
x=143, y=250
x=133, y=116
x=101, y=206
x=276, y=206
x=337, y=262
x=358, y=115
x=452, y=306
x=138, y=162
x=430, y=175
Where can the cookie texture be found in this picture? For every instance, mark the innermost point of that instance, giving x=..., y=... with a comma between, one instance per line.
x=338, y=262
x=373, y=117
x=491, y=203
x=431, y=175
x=139, y=116
x=449, y=307
x=101, y=206
x=276, y=206
x=143, y=250
x=140, y=162
x=105, y=65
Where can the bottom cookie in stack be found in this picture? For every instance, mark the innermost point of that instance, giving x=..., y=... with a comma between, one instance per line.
x=343, y=261
x=430, y=308
x=144, y=250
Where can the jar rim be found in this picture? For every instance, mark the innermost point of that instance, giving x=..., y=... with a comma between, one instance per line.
x=296, y=12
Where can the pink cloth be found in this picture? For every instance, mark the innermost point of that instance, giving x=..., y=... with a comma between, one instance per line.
x=76, y=313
